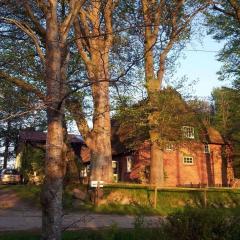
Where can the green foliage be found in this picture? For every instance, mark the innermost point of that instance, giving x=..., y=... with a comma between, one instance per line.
x=225, y=26
x=203, y=224
x=166, y=115
x=13, y=103
x=226, y=119
x=189, y=224
x=32, y=161
x=227, y=114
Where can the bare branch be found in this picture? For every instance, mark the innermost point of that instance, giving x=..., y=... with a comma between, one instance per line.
x=38, y=106
x=36, y=22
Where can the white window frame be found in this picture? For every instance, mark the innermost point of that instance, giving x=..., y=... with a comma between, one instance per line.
x=114, y=164
x=129, y=162
x=169, y=147
x=206, y=148
x=188, y=132
x=115, y=167
x=84, y=171
x=186, y=160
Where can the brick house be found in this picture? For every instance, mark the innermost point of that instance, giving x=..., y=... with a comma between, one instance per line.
x=193, y=162
x=194, y=153
x=202, y=158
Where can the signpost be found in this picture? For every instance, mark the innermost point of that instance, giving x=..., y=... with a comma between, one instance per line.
x=96, y=185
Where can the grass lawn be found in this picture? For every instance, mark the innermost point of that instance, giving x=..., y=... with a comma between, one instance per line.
x=137, y=199
x=107, y=234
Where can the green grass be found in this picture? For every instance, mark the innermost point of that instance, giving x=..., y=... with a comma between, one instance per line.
x=113, y=233
x=170, y=200
x=140, y=199
x=187, y=224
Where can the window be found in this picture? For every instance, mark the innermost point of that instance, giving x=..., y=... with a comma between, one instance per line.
x=188, y=132
x=115, y=167
x=206, y=148
x=129, y=164
x=169, y=147
x=83, y=172
x=114, y=164
x=115, y=170
x=188, y=160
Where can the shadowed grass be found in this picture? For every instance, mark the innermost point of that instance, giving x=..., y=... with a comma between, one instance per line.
x=138, y=199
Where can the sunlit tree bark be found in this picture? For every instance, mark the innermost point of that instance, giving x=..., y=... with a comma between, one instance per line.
x=51, y=33
x=94, y=36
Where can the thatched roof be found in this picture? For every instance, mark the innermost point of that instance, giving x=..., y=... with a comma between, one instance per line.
x=214, y=136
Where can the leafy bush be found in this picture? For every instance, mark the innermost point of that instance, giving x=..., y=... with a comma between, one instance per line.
x=204, y=224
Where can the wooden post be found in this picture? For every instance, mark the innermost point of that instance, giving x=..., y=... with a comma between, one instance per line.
x=205, y=198
x=97, y=194
x=155, y=197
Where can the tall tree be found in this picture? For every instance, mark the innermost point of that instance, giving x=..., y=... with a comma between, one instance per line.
x=224, y=24
x=48, y=26
x=226, y=119
x=167, y=24
x=94, y=39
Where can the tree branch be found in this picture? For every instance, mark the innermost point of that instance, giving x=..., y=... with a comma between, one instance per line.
x=79, y=43
x=22, y=84
x=76, y=111
x=25, y=28
x=223, y=11
x=66, y=24
x=41, y=30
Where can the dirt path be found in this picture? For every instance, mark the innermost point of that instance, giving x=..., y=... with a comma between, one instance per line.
x=17, y=215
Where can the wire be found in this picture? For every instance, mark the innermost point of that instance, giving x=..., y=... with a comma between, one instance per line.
x=200, y=50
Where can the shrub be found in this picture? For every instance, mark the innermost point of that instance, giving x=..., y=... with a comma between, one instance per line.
x=203, y=224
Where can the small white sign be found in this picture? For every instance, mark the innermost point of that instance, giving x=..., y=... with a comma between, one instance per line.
x=95, y=184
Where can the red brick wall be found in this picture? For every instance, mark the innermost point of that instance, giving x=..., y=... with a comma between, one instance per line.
x=207, y=169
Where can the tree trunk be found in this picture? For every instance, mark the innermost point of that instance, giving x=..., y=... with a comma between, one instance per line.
x=156, y=165
x=54, y=165
x=6, y=152
x=6, y=145
x=101, y=156
x=153, y=87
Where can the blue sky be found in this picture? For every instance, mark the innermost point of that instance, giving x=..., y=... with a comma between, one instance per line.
x=201, y=66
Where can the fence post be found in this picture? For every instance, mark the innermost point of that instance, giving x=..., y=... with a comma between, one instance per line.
x=205, y=198
x=155, y=197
